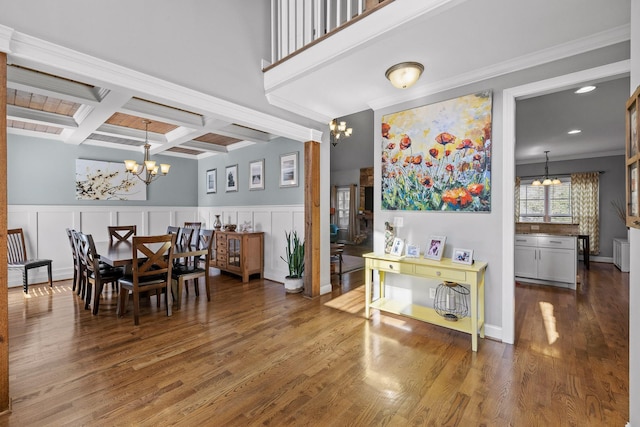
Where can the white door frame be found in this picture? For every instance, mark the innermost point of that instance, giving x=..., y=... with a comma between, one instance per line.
x=509, y=96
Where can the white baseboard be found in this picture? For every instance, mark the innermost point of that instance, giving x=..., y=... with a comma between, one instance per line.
x=492, y=331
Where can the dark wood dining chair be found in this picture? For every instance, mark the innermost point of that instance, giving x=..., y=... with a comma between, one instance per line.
x=173, y=230
x=76, y=261
x=193, y=270
x=196, y=228
x=77, y=244
x=121, y=233
x=151, y=271
x=18, y=260
x=96, y=274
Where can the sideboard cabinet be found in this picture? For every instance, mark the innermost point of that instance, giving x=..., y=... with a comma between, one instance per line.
x=240, y=253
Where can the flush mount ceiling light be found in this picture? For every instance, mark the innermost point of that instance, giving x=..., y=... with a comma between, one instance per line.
x=404, y=74
x=147, y=172
x=546, y=180
x=574, y=132
x=585, y=89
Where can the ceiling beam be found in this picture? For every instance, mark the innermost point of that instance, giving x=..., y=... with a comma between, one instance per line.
x=40, y=117
x=111, y=103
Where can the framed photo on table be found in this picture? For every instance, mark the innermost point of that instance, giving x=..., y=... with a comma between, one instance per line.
x=462, y=256
x=435, y=247
x=256, y=175
x=397, y=246
x=289, y=170
x=231, y=178
x=212, y=178
x=413, y=251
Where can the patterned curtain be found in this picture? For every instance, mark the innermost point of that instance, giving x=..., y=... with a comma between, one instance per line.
x=516, y=198
x=584, y=206
x=334, y=205
x=353, y=224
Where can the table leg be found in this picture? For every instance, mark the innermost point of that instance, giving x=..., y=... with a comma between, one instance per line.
x=474, y=317
x=367, y=289
x=481, y=303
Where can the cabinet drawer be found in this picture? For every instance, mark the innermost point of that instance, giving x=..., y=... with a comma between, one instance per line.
x=442, y=273
x=392, y=266
x=221, y=243
x=560, y=242
x=526, y=240
x=221, y=250
x=221, y=264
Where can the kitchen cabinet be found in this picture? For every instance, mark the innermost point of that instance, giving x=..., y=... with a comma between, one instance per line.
x=546, y=259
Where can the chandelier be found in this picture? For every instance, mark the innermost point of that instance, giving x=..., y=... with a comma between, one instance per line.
x=148, y=171
x=339, y=130
x=546, y=180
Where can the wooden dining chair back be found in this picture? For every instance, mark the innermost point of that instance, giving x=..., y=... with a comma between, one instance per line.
x=76, y=260
x=151, y=271
x=196, y=228
x=173, y=230
x=121, y=233
x=183, y=272
x=18, y=259
x=96, y=274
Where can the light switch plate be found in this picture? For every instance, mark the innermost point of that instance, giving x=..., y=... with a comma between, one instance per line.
x=398, y=221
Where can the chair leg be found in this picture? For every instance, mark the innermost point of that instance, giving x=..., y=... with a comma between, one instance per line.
x=96, y=297
x=25, y=281
x=136, y=308
x=87, y=299
x=75, y=278
x=123, y=302
x=206, y=284
x=50, y=276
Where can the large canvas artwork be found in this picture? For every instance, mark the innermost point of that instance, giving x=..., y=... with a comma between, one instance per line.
x=96, y=180
x=438, y=157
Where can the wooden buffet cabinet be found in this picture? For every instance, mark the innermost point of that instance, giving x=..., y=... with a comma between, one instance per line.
x=239, y=253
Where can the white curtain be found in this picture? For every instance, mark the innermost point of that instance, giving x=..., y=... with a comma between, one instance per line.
x=353, y=226
x=585, y=202
x=516, y=197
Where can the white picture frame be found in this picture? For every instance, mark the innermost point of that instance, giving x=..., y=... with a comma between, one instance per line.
x=212, y=178
x=462, y=256
x=256, y=175
x=413, y=251
x=289, y=170
x=231, y=178
x=397, y=247
x=435, y=247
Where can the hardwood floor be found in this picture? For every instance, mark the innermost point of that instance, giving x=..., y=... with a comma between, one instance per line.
x=255, y=355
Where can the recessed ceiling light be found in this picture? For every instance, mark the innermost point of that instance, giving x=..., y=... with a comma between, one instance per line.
x=574, y=131
x=585, y=89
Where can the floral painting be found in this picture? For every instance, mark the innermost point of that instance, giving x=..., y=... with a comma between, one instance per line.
x=438, y=156
x=96, y=180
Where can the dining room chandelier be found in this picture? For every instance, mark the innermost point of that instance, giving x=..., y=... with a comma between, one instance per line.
x=146, y=172
x=338, y=131
x=546, y=180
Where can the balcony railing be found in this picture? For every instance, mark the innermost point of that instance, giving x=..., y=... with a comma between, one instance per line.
x=297, y=23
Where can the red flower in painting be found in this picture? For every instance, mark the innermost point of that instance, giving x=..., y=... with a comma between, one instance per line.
x=445, y=138
x=477, y=157
x=391, y=146
x=385, y=130
x=428, y=164
x=405, y=142
x=475, y=189
x=433, y=152
x=466, y=143
x=457, y=197
x=449, y=168
x=427, y=181
x=417, y=159
x=447, y=152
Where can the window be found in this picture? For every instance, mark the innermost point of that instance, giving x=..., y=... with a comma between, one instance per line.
x=546, y=203
x=342, y=196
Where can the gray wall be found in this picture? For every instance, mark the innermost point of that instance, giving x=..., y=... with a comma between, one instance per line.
x=271, y=195
x=42, y=172
x=612, y=187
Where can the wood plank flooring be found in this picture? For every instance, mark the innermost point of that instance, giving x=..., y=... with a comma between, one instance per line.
x=255, y=355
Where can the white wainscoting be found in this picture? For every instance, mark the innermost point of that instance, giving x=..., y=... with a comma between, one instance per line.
x=45, y=235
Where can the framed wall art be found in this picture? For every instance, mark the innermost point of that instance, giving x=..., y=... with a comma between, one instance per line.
x=438, y=157
x=632, y=136
x=231, y=178
x=98, y=180
x=212, y=181
x=256, y=175
x=289, y=170
x=435, y=247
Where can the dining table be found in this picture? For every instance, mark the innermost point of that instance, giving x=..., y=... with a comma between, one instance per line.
x=120, y=254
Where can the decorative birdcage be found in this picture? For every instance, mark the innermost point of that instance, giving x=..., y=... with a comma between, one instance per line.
x=451, y=301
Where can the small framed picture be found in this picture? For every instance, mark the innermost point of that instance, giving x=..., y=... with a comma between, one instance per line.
x=289, y=170
x=397, y=246
x=256, y=175
x=435, y=247
x=212, y=181
x=231, y=178
x=462, y=256
x=413, y=251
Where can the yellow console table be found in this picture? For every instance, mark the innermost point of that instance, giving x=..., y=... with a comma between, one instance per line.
x=470, y=275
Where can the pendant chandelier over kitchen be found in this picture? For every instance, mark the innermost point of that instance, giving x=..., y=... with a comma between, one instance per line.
x=146, y=172
x=546, y=180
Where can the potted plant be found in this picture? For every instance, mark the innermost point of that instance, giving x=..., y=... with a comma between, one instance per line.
x=294, y=283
